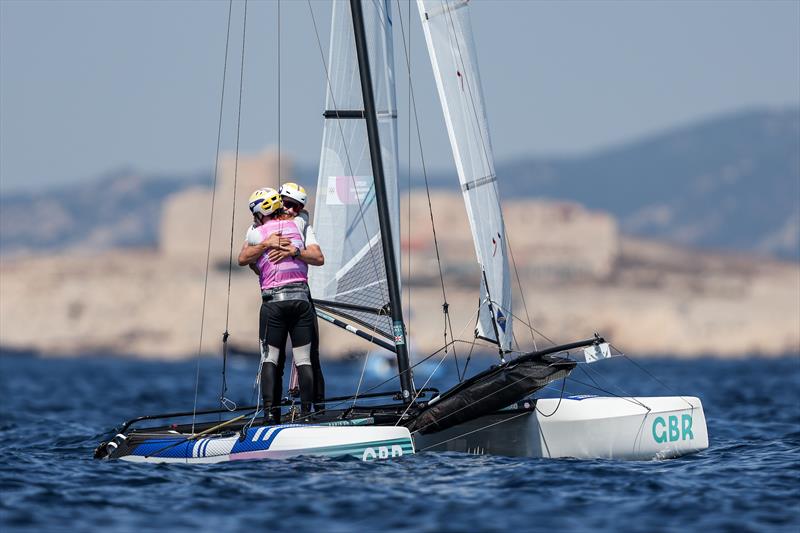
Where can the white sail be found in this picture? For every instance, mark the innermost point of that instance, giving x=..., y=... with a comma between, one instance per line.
x=345, y=212
x=448, y=33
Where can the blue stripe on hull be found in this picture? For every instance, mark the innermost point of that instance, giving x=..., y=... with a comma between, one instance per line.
x=382, y=449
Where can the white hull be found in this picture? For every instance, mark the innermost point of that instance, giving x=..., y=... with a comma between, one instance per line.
x=367, y=443
x=584, y=428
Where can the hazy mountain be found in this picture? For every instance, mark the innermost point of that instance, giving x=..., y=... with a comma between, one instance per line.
x=731, y=182
x=116, y=210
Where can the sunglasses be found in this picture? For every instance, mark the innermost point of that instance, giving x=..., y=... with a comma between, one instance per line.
x=291, y=204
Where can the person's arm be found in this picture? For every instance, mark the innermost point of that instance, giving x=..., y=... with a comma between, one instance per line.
x=311, y=256
x=314, y=257
x=251, y=252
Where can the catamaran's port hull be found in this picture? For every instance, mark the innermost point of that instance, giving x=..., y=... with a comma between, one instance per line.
x=273, y=442
x=588, y=427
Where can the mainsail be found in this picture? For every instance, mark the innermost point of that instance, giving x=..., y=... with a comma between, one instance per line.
x=448, y=33
x=353, y=280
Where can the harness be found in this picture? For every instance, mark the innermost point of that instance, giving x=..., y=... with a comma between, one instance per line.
x=290, y=291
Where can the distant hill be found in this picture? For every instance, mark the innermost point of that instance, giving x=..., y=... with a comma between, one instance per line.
x=731, y=182
x=117, y=210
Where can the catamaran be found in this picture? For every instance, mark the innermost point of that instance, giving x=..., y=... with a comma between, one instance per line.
x=357, y=221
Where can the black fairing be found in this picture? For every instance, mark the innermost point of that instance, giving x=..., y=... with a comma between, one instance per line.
x=491, y=390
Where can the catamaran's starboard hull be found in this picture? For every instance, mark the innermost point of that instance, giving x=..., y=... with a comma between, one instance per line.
x=583, y=427
x=273, y=442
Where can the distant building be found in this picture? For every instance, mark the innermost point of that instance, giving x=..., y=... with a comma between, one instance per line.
x=185, y=219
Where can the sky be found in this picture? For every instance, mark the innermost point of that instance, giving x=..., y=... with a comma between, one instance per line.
x=89, y=88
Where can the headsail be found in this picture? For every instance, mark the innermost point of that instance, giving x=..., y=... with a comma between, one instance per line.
x=345, y=213
x=448, y=33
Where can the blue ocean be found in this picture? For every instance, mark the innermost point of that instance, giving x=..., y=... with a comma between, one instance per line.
x=55, y=411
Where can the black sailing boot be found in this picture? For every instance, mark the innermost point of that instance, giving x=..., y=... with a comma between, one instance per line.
x=305, y=373
x=268, y=377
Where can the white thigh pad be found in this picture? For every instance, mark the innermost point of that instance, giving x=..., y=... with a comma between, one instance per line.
x=302, y=354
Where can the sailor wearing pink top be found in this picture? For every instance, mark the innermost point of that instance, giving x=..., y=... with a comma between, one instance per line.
x=289, y=270
x=286, y=309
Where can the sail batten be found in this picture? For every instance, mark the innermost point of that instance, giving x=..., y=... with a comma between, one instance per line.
x=448, y=35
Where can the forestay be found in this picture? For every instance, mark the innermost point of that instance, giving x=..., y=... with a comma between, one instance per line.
x=448, y=33
x=346, y=216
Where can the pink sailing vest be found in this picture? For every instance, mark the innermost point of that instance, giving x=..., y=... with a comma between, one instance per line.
x=290, y=270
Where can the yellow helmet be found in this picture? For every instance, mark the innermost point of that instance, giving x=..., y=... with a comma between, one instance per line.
x=294, y=191
x=265, y=201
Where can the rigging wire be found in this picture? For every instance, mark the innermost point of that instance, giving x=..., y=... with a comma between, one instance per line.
x=225, y=335
x=652, y=376
x=211, y=221
x=469, y=356
x=630, y=399
x=521, y=291
x=280, y=181
x=430, y=377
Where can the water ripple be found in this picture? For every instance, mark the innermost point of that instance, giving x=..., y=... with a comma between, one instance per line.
x=55, y=411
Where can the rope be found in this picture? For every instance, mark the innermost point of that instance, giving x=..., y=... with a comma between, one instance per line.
x=211, y=221
x=560, y=397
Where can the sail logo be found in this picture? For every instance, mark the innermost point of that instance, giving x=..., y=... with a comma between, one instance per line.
x=398, y=330
x=501, y=321
x=382, y=452
x=670, y=430
x=494, y=244
x=350, y=190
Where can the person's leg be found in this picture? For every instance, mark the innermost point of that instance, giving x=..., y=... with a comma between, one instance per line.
x=275, y=337
x=302, y=333
x=278, y=389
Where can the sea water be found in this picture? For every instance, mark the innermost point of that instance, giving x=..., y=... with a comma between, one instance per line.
x=55, y=411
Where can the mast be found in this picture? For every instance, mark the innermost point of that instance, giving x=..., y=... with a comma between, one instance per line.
x=390, y=263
